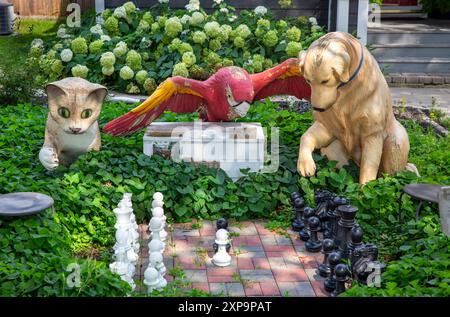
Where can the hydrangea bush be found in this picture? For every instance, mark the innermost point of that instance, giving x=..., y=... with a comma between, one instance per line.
x=133, y=50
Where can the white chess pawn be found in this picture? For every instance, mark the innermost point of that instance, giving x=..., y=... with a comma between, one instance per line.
x=155, y=246
x=158, y=196
x=122, y=265
x=222, y=258
x=127, y=196
x=157, y=203
x=158, y=212
x=155, y=226
x=153, y=279
x=156, y=260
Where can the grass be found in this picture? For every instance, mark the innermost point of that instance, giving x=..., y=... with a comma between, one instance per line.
x=14, y=48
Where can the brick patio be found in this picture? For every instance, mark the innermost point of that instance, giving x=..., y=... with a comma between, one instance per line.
x=263, y=262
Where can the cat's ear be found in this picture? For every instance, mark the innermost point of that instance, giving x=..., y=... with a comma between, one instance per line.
x=54, y=92
x=97, y=94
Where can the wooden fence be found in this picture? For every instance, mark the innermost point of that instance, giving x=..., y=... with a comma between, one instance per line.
x=47, y=8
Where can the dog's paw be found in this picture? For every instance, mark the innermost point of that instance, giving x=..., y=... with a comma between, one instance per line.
x=306, y=166
x=48, y=158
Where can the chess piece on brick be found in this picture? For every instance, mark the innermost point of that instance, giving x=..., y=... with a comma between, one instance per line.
x=341, y=272
x=313, y=244
x=153, y=279
x=345, y=225
x=330, y=282
x=304, y=233
x=327, y=248
x=123, y=264
x=221, y=257
x=298, y=206
x=124, y=228
x=156, y=261
x=155, y=246
x=158, y=212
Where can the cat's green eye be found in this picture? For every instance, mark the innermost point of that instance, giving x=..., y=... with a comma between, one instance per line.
x=64, y=112
x=86, y=113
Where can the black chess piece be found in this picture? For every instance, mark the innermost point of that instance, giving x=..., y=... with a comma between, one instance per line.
x=304, y=233
x=222, y=223
x=334, y=215
x=364, y=256
x=327, y=248
x=294, y=195
x=356, y=236
x=313, y=244
x=345, y=224
x=298, y=207
x=341, y=272
x=330, y=282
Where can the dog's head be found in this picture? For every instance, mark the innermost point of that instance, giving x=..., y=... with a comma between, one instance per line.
x=325, y=66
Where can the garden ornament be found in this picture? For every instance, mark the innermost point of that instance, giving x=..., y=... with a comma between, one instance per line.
x=353, y=110
x=224, y=96
x=72, y=129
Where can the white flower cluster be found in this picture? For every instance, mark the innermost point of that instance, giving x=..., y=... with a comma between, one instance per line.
x=120, y=12
x=260, y=10
x=193, y=5
x=218, y=1
x=97, y=29
x=66, y=55
x=185, y=19
x=314, y=25
x=62, y=33
x=37, y=43
x=224, y=10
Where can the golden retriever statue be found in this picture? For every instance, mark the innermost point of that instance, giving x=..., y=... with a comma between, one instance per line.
x=353, y=110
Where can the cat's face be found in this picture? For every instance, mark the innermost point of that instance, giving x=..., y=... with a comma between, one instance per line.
x=75, y=107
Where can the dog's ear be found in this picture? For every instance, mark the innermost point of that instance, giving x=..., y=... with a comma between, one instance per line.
x=341, y=68
x=301, y=64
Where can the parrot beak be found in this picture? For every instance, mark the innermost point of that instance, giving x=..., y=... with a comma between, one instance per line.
x=242, y=108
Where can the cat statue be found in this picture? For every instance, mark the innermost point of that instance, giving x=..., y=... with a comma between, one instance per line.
x=72, y=128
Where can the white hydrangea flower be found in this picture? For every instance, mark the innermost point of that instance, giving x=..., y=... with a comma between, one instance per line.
x=232, y=18
x=97, y=29
x=120, y=12
x=224, y=10
x=313, y=20
x=260, y=10
x=184, y=19
x=218, y=1
x=66, y=55
x=194, y=5
x=105, y=38
x=61, y=33
x=37, y=42
x=163, y=1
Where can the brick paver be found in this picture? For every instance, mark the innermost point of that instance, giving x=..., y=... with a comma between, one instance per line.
x=264, y=263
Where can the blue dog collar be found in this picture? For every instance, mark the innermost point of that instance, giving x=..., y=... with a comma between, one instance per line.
x=357, y=70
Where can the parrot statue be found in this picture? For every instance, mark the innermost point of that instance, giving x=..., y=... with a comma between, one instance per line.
x=224, y=96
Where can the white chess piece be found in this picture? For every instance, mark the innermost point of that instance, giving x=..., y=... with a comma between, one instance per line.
x=156, y=260
x=123, y=265
x=157, y=203
x=155, y=246
x=153, y=279
x=155, y=226
x=158, y=196
x=222, y=258
x=158, y=212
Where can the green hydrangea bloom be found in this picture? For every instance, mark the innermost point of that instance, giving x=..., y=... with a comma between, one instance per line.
x=180, y=69
x=227, y=62
x=239, y=42
x=293, y=48
x=106, y=14
x=257, y=66
x=225, y=31
x=243, y=31
x=150, y=85
x=36, y=51
x=46, y=64
x=80, y=71
x=126, y=73
x=196, y=18
x=155, y=27
x=133, y=89
x=112, y=26
x=148, y=17
x=143, y=26
x=134, y=60
x=161, y=20
x=145, y=56
x=173, y=27
x=271, y=38
x=51, y=54
x=268, y=63
x=198, y=72
x=141, y=76
x=108, y=59
x=246, y=55
x=57, y=46
x=303, y=20
x=107, y=70
x=79, y=45
x=212, y=29
x=174, y=45
x=258, y=58
x=96, y=47
x=130, y=8
x=121, y=49
x=212, y=58
x=282, y=24
x=185, y=47
x=215, y=45
x=285, y=3
x=199, y=37
x=57, y=67
x=260, y=32
x=264, y=23
x=189, y=59
x=293, y=34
